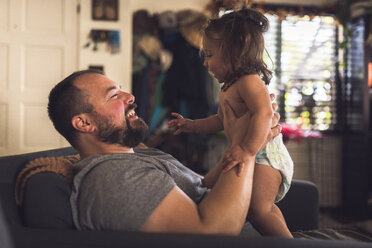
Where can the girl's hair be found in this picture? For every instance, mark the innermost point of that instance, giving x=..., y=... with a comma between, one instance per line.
x=240, y=34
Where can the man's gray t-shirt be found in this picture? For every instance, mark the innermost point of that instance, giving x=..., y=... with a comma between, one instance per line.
x=120, y=191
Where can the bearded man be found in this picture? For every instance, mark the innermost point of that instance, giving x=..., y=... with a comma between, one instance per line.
x=120, y=184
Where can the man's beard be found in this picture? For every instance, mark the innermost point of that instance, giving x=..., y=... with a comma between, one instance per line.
x=129, y=136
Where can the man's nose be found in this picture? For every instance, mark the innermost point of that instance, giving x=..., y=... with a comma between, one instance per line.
x=128, y=98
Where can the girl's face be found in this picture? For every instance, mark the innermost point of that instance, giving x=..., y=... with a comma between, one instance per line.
x=213, y=61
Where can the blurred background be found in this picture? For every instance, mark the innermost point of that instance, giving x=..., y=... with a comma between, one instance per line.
x=319, y=50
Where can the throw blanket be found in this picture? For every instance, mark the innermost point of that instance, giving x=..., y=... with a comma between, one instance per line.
x=345, y=234
x=60, y=165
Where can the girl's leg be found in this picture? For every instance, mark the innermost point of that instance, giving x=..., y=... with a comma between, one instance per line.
x=264, y=215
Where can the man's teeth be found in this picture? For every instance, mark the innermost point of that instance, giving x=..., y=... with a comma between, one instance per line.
x=131, y=113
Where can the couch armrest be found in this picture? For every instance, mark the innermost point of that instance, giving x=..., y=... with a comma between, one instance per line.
x=300, y=206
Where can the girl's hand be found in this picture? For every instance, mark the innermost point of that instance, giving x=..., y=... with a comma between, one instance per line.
x=182, y=124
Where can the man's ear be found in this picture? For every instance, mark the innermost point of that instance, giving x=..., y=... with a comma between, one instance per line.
x=83, y=123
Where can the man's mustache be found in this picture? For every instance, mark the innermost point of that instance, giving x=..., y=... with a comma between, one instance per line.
x=131, y=106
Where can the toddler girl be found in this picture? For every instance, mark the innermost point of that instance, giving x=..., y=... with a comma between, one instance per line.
x=233, y=46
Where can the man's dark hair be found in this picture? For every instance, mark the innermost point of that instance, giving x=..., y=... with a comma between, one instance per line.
x=65, y=101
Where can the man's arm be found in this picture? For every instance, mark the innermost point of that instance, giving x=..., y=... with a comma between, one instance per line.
x=211, y=177
x=255, y=95
x=222, y=211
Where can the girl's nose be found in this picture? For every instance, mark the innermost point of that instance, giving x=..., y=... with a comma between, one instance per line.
x=205, y=63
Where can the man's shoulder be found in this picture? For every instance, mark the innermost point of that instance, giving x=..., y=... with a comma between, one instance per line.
x=148, y=151
x=108, y=162
x=125, y=181
x=119, y=158
x=123, y=169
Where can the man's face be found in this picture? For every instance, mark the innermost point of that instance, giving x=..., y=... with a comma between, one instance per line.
x=129, y=134
x=114, y=117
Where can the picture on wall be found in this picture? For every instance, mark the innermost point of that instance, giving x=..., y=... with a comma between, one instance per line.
x=105, y=10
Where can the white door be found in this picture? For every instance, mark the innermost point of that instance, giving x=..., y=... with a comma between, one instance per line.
x=38, y=48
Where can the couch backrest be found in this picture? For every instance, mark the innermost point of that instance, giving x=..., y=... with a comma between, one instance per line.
x=10, y=166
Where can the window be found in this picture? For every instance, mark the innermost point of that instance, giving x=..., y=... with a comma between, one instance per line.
x=302, y=55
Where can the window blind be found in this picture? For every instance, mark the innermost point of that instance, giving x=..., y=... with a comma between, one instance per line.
x=303, y=53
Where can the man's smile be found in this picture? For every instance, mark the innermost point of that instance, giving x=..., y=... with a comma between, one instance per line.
x=131, y=114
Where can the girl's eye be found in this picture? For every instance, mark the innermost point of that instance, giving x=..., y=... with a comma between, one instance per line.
x=205, y=55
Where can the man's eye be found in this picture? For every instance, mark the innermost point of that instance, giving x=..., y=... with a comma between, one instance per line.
x=114, y=96
x=208, y=55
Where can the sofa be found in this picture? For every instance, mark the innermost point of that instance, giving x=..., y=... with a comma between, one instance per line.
x=44, y=219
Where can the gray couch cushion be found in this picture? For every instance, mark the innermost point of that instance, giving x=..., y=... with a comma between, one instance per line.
x=46, y=202
x=5, y=237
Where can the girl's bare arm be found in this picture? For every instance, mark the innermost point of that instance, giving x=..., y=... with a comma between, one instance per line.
x=211, y=124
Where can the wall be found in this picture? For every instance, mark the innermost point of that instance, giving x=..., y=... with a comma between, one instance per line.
x=301, y=2
x=116, y=66
x=119, y=66
x=163, y=5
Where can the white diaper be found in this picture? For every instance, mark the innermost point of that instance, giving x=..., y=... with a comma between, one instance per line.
x=276, y=155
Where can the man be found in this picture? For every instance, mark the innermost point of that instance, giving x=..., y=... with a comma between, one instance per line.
x=120, y=187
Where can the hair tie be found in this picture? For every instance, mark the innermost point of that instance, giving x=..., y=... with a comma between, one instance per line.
x=247, y=14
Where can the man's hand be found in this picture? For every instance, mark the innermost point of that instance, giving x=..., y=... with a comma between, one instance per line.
x=275, y=126
x=235, y=154
x=182, y=124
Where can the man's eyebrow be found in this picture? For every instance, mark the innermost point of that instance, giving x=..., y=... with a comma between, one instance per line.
x=110, y=89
